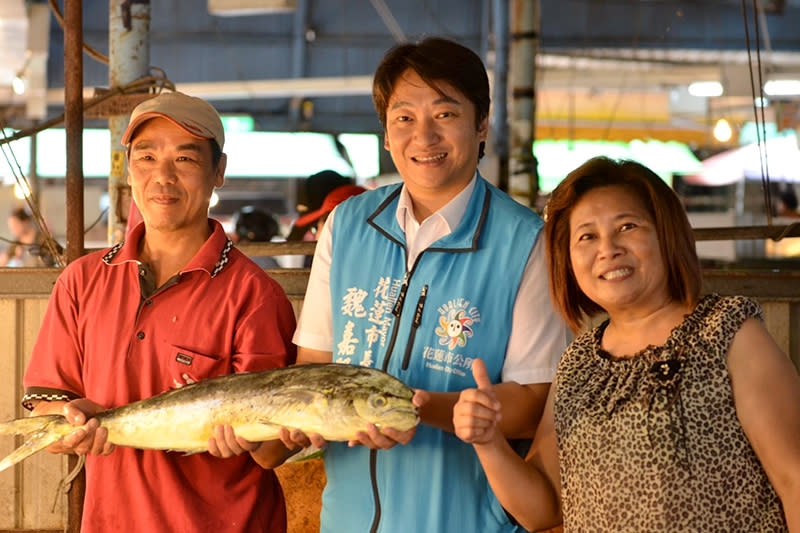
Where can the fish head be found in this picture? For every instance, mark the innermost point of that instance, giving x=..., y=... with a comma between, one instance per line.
x=386, y=409
x=382, y=399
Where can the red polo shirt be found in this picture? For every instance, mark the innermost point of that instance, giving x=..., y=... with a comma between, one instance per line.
x=101, y=340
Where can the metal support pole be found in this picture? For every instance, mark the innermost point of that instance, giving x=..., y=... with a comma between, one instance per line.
x=128, y=60
x=525, y=27
x=33, y=173
x=299, y=52
x=73, y=121
x=500, y=124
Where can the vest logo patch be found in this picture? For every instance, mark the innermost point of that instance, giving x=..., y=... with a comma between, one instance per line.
x=184, y=359
x=456, y=319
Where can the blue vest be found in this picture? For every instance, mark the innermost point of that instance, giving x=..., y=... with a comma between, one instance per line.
x=424, y=326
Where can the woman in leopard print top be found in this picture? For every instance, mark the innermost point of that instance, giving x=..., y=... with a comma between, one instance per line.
x=678, y=413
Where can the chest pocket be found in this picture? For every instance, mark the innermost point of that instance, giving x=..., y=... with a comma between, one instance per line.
x=186, y=366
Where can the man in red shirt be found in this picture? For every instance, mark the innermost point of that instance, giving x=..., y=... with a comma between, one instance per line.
x=173, y=304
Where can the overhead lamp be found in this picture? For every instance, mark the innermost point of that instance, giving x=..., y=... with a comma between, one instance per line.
x=18, y=84
x=723, y=131
x=21, y=191
x=782, y=88
x=235, y=8
x=705, y=88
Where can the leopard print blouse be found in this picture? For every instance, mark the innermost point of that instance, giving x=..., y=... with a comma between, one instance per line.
x=652, y=443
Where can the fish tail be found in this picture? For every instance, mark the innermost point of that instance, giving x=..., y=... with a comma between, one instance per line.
x=23, y=426
x=42, y=431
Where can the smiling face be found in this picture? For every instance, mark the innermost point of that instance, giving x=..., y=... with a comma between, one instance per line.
x=614, y=251
x=172, y=176
x=433, y=139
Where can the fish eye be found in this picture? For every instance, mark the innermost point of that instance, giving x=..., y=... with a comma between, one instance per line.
x=378, y=401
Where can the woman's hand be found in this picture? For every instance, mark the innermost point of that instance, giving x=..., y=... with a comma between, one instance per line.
x=478, y=411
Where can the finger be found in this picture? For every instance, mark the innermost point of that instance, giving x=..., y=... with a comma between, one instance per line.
x=379, y=439
x=474, y=404
x=232, y=441
x=402, y=437
x=421, y=397
x=318, y=440
x=213, y=449
x=219, y=442
x=246, y=445
x=74, y=416
x=285, y=436
x=481, y=375
x=76, y=441
x=300, y=438
x=469, y=427
x=99, y=441
x=108, y=448
x=361, y=439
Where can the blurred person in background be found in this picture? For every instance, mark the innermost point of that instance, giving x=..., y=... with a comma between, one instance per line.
x=253, y=224
x=311, y=192
x=25, y=249
x=317, y=218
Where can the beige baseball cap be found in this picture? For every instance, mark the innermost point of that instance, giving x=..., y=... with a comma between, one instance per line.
x=196, y=116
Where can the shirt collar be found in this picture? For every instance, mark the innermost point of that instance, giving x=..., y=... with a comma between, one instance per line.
x=212, y=256
x=451, y=213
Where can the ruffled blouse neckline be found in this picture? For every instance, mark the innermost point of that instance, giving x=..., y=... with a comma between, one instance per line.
x=622, y=379
x=653, y=352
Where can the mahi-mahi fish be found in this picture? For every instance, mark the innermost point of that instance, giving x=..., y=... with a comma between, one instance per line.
x=334, y=400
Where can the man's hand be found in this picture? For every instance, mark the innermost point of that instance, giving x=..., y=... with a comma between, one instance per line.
x=294, y=439
x=89, y=437
x=477, y=412
x=225, y=443
x=382, y=439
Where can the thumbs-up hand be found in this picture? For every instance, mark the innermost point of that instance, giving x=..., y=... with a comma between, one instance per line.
x=477, y=412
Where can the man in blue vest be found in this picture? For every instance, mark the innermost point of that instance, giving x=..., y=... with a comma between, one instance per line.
x=420, y=279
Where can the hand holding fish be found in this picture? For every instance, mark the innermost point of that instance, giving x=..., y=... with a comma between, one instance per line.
x=371, y=436
x=478, y=411
x=225, y=443
x=88, y=437
x=295, y=439
x=376, y=439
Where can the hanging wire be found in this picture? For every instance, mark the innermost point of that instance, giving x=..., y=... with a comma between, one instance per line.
x=54, y=249
x=96, y=221
x=757, y=15
x=761, y=134
x=153, y=83
x=91, y=52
